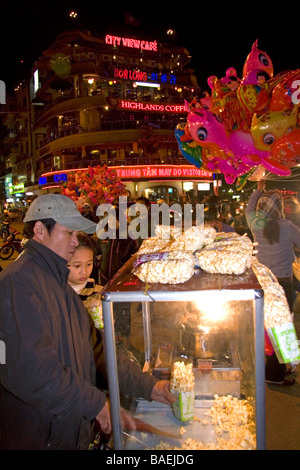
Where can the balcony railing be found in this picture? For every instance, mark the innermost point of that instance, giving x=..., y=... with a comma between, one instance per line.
x=58, y=133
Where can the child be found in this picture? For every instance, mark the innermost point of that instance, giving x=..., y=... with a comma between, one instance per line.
x=81, y=267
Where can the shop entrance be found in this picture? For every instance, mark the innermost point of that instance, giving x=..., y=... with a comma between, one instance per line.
x=162, y=193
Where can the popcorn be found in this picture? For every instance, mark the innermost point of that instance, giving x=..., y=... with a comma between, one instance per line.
x=154, y=245
x=167, y=232
x=194, y=238
x=93, y=305
x=229, y=254
x=173, y=268
x=183, y=384
x=182, y=379
x=278, y=319
x=228, y=414
x=276, y=308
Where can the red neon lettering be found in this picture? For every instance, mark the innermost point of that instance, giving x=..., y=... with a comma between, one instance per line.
x=164, y=172
x=113, y=40
x=176, y=172
x=129, y=42
x=151, y=106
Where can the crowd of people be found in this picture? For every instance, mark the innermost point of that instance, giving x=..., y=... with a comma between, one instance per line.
x=54, y=382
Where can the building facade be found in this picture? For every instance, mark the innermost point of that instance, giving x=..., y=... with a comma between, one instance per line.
x=93, y=100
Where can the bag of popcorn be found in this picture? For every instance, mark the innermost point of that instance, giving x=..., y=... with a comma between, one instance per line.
x=278, y=319
x=183, y=386
x=285, y=343
x=94, y=307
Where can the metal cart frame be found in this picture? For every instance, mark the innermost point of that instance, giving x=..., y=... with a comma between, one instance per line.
x=230, y=288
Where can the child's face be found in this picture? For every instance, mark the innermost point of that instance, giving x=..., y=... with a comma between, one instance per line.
x=81, y=265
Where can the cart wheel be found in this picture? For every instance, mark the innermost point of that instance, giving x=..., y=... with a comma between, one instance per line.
x=6, y=252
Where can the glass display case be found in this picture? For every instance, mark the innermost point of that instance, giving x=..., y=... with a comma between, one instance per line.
x=213, y=322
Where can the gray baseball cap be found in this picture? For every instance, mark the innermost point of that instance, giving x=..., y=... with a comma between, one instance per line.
x=61, y=209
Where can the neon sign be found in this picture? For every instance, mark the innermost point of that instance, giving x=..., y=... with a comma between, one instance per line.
x=133, y=43
x=137, y=172
x=137, y=75
x=160, y=171
x=162, y=108
x=128, y=74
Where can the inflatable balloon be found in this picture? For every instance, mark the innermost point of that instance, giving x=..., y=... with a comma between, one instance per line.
x=231, y=79
x=253, y=91
x=246, y=126
x=287, y=149
x=193, y=153
x=242, y=145
x=225, y=103
x=206, y=129
x=286, y=93
x=258, y=67
x=267, y=128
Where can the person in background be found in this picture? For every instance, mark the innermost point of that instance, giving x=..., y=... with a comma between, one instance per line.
x=291, y=207
x=54, y=383
x=116, y=249
x=212, y=212
x=88, y=213
x=240, y=224
x=5, y=216
x=145, y=218
x=276, y=238
x=226, y=215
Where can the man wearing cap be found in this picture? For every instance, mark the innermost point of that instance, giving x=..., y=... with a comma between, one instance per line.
x=48, y=390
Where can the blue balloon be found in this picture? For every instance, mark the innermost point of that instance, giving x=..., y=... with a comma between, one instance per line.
x=192, y=154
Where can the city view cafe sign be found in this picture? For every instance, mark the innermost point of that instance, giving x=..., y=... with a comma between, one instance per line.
x=133, y=172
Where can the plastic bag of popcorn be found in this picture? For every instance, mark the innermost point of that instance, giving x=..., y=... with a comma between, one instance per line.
x=183, y=386
x=285, y=343
x=94, y=307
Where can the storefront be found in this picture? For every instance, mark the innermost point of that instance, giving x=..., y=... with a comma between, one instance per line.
x=171, y=183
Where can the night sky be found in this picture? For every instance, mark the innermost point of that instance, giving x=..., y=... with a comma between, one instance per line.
x=218, y=35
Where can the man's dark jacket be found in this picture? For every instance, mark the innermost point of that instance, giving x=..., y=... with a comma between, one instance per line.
x=48, y=390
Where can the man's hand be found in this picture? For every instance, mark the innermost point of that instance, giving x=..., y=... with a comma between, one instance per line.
x=104, y=420
x=127, y=420
x=161, y=392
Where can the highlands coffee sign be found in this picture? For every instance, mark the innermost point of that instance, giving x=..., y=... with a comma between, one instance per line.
x=161, y=108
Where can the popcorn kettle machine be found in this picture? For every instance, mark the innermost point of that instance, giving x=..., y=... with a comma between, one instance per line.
x=209, y=330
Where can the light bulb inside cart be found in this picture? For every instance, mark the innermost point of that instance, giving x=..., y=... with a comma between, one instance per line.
x=210, y=311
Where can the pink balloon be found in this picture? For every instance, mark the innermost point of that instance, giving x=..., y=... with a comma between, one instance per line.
x=242, y=145
x=230, y=169
x=206, y=129
x=257, y=62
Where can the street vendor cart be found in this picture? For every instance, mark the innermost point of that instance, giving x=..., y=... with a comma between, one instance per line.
x=210, y=330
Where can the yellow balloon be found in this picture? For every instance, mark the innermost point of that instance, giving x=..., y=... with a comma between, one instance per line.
x=268, y=127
